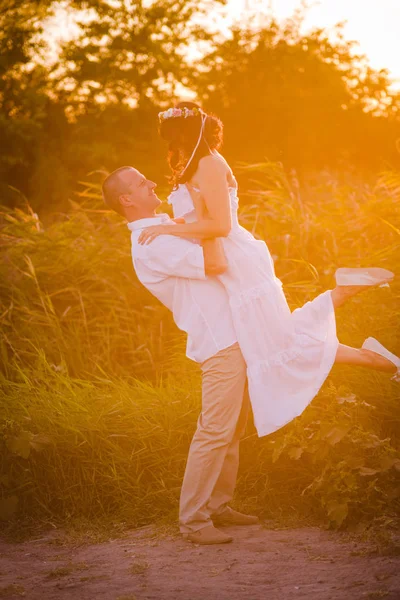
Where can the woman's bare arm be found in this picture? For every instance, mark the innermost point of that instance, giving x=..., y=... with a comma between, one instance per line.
x=198, y=202
x=215, y=261
x=212, y=180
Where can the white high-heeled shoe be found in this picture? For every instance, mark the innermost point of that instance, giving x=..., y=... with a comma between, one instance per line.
x=369, y=276
x=375, y=346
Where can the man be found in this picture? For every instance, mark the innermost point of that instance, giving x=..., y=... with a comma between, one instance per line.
x=173, y=270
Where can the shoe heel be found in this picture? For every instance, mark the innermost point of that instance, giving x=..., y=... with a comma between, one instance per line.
x=368, y=277
x=373, y=345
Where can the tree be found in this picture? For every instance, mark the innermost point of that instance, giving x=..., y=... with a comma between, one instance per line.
x=132, y=51
x=306, y=100
x=23, y=97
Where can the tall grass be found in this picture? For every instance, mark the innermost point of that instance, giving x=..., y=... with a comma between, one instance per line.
x=70, y=291
x=98, y=403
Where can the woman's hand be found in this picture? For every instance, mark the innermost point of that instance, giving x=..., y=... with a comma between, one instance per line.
x=150, y=233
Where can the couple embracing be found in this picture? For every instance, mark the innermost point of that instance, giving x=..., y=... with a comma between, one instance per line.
x=220, y=284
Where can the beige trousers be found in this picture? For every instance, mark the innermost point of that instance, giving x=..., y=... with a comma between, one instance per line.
x=213, y=461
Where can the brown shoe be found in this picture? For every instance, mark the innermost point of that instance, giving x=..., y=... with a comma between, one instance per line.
x=208, y=535
x=232, y=517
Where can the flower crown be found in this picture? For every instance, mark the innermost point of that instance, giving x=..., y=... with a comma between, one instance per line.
x=179, y=112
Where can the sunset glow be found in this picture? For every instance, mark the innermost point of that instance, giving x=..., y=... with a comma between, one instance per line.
x=375, y=25
x=200, y=299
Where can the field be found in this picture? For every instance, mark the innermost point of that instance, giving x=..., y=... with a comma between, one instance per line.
x=98, y=402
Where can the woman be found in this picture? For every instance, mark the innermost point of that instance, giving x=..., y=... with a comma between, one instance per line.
x=288, y=355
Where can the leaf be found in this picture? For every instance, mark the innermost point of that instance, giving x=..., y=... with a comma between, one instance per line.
x=366, y=471
x=374, y=442
x=387, y=462
x=338, y=511
x=351, y=398
x=5, y=480
x=295, y=453
x=20, y=445
x=336, y=434
x=278, y=450
x=39, y=442
x=276, y=454
x=8, y=506
x=355, y=462
x=319, y=453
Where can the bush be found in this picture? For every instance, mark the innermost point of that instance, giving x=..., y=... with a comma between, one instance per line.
x=98, y=404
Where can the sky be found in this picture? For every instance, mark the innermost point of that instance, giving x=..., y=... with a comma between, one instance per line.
x=375, y=24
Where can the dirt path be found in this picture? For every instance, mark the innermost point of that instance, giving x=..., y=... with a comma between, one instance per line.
x=261, y=563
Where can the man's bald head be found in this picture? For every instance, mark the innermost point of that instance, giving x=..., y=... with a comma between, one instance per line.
x=130, y=194
x=114, y=186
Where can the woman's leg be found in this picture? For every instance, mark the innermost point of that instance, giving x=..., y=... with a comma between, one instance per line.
x=346, y=355
x=341, y=293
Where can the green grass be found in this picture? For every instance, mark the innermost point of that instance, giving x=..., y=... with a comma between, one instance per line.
x=98, y=403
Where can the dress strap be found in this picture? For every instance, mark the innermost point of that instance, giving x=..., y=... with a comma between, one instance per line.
x=203, y=121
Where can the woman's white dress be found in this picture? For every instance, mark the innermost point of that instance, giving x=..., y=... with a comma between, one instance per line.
x=288, y=354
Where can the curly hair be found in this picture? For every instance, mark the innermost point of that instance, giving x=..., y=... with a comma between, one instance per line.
x=182, y=135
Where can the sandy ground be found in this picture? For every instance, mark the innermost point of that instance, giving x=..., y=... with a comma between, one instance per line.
x=261, y=563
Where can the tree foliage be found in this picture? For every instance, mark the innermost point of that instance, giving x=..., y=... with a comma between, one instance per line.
x=133, y=51
x=31, y=119
x=306, y=100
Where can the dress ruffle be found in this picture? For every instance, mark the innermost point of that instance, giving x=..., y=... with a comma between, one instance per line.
x=288, y=354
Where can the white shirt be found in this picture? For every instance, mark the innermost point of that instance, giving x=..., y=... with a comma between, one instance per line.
x=172, y=269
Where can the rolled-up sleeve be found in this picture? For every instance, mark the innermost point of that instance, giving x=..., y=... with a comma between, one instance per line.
x=171, y=256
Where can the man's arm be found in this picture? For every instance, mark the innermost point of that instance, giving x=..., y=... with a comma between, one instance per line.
x=171, y=256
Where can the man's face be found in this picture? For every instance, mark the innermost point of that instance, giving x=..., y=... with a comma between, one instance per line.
x=139, y=191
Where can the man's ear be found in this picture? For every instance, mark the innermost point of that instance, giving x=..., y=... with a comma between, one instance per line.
x=125, y=200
